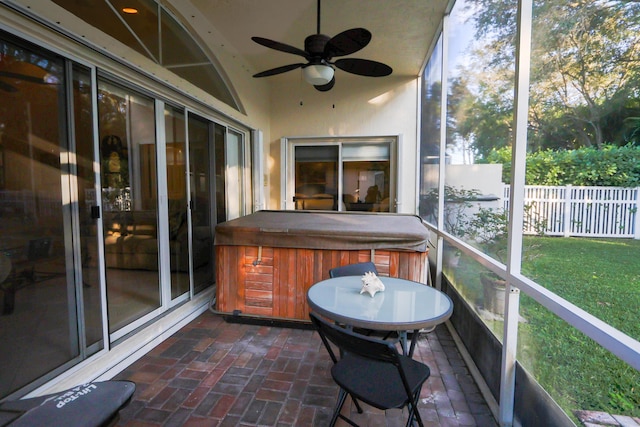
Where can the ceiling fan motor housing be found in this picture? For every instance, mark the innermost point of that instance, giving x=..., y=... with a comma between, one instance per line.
x=315, y=44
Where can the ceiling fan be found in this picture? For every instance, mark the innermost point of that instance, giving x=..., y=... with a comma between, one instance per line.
x=13, y=73
x=320, y=49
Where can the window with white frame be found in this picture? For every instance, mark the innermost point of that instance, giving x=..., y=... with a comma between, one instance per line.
x=341, y=174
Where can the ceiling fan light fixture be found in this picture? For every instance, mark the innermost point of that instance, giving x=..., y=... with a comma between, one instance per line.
x=318, y=74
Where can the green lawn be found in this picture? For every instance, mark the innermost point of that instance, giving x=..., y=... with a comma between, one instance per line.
x=601, y=276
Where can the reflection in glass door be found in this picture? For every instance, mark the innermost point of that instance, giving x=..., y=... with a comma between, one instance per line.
x=234, y=162
x=88, y=212
x=316, y=177
x=38, y=322
x=366, y=177
x=176, y=158
x=200, y=161
x=129, y=204
x=220, y=181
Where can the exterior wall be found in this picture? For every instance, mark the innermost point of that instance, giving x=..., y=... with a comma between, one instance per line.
x=485, y=178
x=356, y=106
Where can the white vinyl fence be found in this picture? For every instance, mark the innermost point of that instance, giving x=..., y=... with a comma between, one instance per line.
x=581, y=211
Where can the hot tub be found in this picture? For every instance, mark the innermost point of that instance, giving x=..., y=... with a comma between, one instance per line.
x=267, y=261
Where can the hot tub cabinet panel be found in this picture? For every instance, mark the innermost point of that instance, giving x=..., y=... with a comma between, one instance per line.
x=272, y=281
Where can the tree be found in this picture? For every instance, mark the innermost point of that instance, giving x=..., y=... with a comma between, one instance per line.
x=486, y=120
x=585, y=73
x=587, y=63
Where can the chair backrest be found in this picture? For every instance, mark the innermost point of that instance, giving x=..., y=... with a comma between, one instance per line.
x=39, y=248
x=351, y=342
x=357, y=269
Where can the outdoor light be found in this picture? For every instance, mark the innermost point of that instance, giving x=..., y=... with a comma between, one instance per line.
x=318, y=75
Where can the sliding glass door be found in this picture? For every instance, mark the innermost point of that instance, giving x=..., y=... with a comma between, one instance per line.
x=109, y=197
x=316, y=177
x=176, y=171
x=203, y=200
x=235, y=174
x=219, y=179
x=40, y=291
x=88, y=211
x=129, y=204
x=366, y=178
x=351, y=174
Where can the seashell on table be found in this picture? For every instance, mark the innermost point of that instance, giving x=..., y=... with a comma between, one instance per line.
x=371, y=284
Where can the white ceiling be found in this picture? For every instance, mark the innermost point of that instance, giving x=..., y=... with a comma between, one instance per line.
x=402, y=29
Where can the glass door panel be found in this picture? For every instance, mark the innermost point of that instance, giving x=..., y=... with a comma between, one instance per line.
x=234, y=161
x=129, y=201
x=38, y=323
x=220, y=182
x=200, y=161
x=87, y=207
x=316, y=177
x=366, y=177
x=176, y=154
x=366, y=186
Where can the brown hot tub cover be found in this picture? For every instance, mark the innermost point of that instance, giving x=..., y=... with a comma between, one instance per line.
x=325, y=230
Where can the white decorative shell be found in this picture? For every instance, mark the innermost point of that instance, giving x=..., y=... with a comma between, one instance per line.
x=371, y=284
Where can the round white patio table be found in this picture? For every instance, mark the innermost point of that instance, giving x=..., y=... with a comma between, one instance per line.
x=403, y=306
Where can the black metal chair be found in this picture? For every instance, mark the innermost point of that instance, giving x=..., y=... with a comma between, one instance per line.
x=22, y=270
x=372, y=371
x=357, y=269
x=95, y=404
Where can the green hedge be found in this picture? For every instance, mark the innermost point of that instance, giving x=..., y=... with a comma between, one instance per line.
x=610, y=166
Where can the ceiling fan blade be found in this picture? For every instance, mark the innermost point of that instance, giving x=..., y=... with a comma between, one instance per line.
x=328, y=86
x=20, y=76
x=7, y=87
x=363, y=67
x=278, y=70
x=280, y=46
x=347, y=42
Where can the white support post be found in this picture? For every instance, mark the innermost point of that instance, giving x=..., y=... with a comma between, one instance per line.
x=566, y=221
x=443, y=149
x=439, y=250
x=636, y=226
x=509, y=347
x=516, y=213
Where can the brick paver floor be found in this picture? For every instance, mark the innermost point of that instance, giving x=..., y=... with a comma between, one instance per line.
x=214, y=373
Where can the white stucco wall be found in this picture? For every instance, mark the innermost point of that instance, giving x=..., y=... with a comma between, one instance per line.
x=356, y=106
x=484, y=178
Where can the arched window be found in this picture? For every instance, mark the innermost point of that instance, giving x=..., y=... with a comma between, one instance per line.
x=150, y=29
